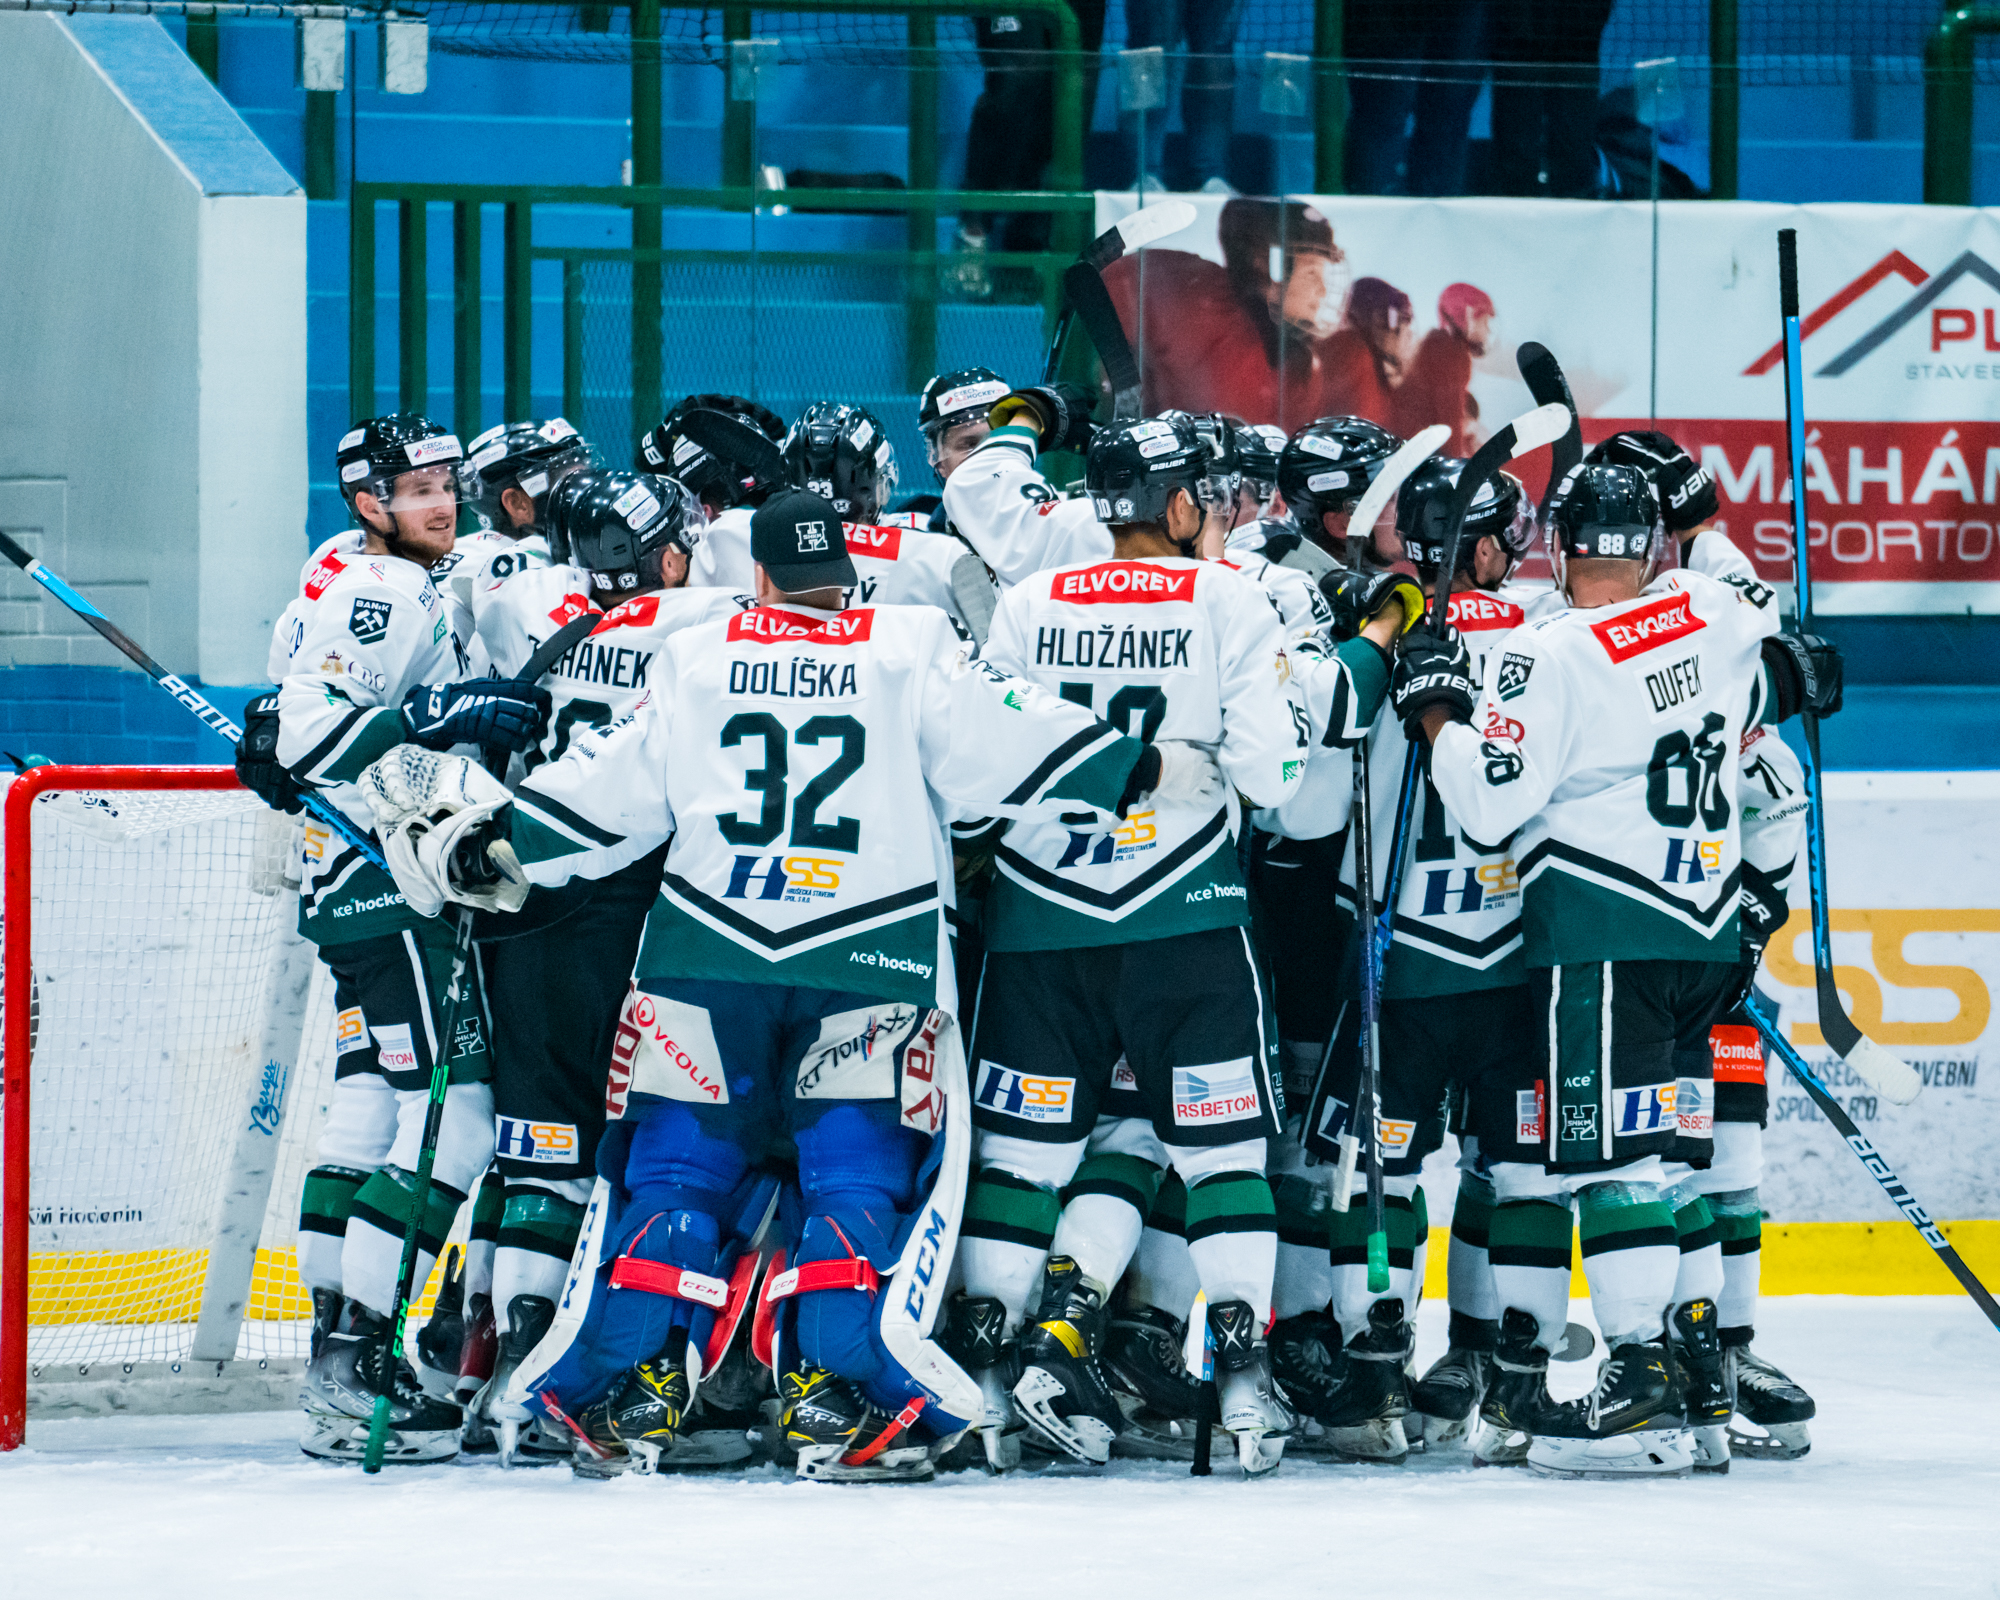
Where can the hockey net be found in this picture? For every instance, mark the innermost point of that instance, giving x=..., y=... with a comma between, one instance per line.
x=156, y=998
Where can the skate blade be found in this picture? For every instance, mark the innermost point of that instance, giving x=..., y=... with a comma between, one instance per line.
x=1427, y=1432
x=1711, y=1448
x=583, y=1464
x=1381, y=1443
x=1258, y=1453
x=1495, y=1446
x=1780, y=1441
x=1002, y=1447
x=347, y=1440
x=1149, y=1437
x=1642, y=1453
x=710, y=1447
x=1084, y=1439
x=822, y=1464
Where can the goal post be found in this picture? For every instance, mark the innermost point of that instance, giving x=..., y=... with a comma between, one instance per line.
x=155, y=1004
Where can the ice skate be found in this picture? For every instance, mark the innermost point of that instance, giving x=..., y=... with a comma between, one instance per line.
x=1445, y=1401
x=839, y=1437
x=353, y=1366
x=523, y=1438
x=1768, y=1401
x=1364, y=1420
x=1247, y=1399
x=1517, y=1395
x=1061, y=1393
x=634, y=1426
x=724, y=1416
x=1149, y=1378
x=1707, y=1401
x=477, y=1350
x=440, y=1343
x=1632, y=1425
x=974, y=1337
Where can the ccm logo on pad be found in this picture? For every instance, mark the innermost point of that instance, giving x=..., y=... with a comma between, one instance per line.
x=1648, y=627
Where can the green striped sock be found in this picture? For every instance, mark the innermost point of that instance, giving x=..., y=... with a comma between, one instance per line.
x=1007, y=1208
x=1118, y=1177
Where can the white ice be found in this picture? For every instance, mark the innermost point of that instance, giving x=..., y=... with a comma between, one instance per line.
x=1900, y=1496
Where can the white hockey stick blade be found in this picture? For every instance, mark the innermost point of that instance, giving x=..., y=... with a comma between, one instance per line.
x=1395, y=471
x=1343, y=1177
x=1152, y=223
x=1889, y=1076
x=1543, y=425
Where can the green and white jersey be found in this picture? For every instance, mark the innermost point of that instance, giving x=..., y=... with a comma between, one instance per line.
x=1771, y=794
x=1165, y=649
x=1608, y=739
x=798, y=760
x=1300, y=605
x=1014, y=517
x=370, y=629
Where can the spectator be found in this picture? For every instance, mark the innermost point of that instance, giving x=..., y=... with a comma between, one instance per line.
x=1365, y=361
x=1439, y=385
x=1008, y=144
x=1208, y=85
x=1420, y=61
x=1545, y=96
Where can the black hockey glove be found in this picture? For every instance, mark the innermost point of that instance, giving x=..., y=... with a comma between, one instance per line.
x=1433, y=670
x=1061, y=412
x=1686, y=489
x=1807, y=674
x=1358, y=598
x=257, y=766
x=1760, y=912
x=489, y=712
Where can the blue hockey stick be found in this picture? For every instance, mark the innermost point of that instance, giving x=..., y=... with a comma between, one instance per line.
x=1758, y=1011
x=211, y=718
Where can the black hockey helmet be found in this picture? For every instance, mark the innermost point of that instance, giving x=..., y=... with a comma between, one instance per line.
x=613, y=524
x=530, y=456
x=1686, y=490
x=1327, y=465
x=372, y=455
x=1134, y=468
x=724, y=483
x=962, y=396
x=1257, y=445
x=840, y=451
x=1423, y=512
x=1603, y=511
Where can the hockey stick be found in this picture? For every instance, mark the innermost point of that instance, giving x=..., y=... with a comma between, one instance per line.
x=210, y=718
x=736, y=442
x=1545, y=381
x=1875, y=1066
x=1871, y=1158
x=1135, y=232
x=1369, y=1096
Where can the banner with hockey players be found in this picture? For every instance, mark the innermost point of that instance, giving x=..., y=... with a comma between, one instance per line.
x=1408, y=312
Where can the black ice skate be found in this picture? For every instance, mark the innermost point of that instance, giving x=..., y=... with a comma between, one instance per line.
x=354, y=1366
x=478, y=1350
x=1767, y=1400
x=1632, y=1425
x=1707, y=1402
x=1249, y=1405
x=1364, y=1421
x=725, y=1413
x=1062, y=1394
x=1148, y=1374
x=975, y=1337
x=1517, y=1395
x=441, y=1341
x=1444, y=1401
x=524, y=1437
x=1308, y=1362
x=839, y=1437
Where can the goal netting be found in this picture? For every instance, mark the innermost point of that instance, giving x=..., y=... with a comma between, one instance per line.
x=179, y=1058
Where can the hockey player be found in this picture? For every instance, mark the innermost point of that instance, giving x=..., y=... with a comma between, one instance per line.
x=792, y=985
x=1604, y=738
x=1323, y=471
x=1258, y=446
x=375, y=667
x=952, y=416
x=556, y=973
x=1771, y=791
x=1129, y=946
x=729, y=490
x=1009, y=512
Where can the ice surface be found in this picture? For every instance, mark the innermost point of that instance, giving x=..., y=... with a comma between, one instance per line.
x=1900, y=1496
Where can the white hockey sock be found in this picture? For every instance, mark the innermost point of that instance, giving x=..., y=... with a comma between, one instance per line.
x=1099, y=1232
x=1009, y=1272
x=1469, y=1282
x=1303, y=1280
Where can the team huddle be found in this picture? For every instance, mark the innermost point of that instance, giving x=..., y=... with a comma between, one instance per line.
x=922, y=1008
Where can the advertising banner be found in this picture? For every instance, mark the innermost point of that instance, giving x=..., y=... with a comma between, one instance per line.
x=1408, y=312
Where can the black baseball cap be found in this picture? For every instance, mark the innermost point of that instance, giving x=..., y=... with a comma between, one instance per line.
x=796, y=537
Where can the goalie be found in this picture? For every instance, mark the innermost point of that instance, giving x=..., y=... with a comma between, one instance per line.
x=794, y=986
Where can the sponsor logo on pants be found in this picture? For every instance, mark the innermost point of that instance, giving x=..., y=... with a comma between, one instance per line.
x=1645, y=1110
x=1223, y=1091
x=394, y=1048
x=554, y=1142
x=1029, y=1098
x=350, y=1032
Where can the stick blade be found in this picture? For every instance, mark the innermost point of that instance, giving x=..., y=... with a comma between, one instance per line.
x=1889, y=1076
x=1143, y=227
x=738, y=443
x=1100, y=320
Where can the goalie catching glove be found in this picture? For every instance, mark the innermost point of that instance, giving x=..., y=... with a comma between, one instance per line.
x=435, y=816
x=1434, y=671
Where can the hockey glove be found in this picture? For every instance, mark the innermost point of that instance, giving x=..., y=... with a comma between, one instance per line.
x=1062, y=413
x=1173, y=772
x=1686, y=490
x=1358, y=598
x=428, y=808
x=257, y=766
x=488, y=712
x=1433, y=670
x=1806, y=673
x=1761, y=911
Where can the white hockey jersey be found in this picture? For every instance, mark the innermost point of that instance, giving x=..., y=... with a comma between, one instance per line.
x=1607, y=737
x=1300, y=605
x=1771, y=794
x=722, y=559
x=1165, y=649
x=1012, y=515
x=793, y=757
x=375, y=629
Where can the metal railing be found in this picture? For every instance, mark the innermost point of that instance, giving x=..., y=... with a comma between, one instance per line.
x=1948, y=102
